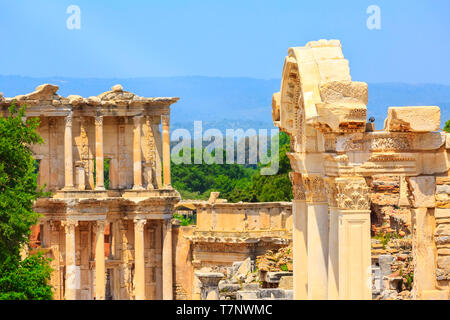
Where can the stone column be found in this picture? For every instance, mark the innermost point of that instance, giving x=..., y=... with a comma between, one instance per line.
x=354, y=251
x=137, y=154
x=100, y=284
x=68, y=150
x=99, y=176
x=317, y=236
x=167, y=261
x=139, y=259
x=300, y=254
x=423, y=190
x=333, y=240
x=166, y=149
x=72, y=272
x=210, y=284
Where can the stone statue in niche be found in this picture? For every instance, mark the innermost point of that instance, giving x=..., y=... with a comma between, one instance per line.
x=148, y=175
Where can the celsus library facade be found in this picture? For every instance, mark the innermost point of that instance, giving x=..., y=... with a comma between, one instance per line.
x=120, y=241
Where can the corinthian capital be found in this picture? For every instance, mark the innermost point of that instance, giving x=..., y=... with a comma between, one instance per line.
x=139, y=224
x=100, y=226
x=298, y=188
x=353, y=194
x=69, y=119
x=315, y=188
x=99, y=120
x=69, y=225
x=165, y=120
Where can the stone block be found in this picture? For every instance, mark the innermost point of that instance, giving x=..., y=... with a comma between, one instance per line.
x=344, y=91
x=247, y=295
x=245, y=267
x=413, y=119
x=228, y=287
x=442, y=230
x=286, y=283
x=274, y=277
x=443, y=262
x=423, y=189
x=272, y=294
x=385, y=262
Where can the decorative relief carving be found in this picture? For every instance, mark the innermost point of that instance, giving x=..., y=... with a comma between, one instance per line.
x=331, y=190
x=352, y=194
x=315, y=188
x=358, y=114
x=165, y=120
x=69, y=225
x=387, y=143
x=99, y=120
x=389, y=158
x=100, y=226
x=68, y=120
x=298, y=188
x=139, y=224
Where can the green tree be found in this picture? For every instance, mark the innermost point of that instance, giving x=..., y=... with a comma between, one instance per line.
x=25, y=279
x=447, y=126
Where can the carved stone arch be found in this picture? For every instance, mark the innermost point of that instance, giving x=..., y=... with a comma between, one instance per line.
x=292, y=113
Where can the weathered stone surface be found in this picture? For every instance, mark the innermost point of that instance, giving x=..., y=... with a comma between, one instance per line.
x=245, y=267
x=443, y=230
x=286, y=283
x=247, y=295
x=440, y=213
x=423, y=191
x=413, y=119
x=344, y=91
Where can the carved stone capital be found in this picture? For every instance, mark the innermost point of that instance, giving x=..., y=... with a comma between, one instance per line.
x=352, y=194
x=165, y=120
x=298, y=188
x=139, y=224
x=68, y=120
x=315, y=188
x=99, y=121
x=69, y=225
x=100, y=226
x=331, y=190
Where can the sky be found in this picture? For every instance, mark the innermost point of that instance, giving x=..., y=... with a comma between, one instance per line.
x=221, y=38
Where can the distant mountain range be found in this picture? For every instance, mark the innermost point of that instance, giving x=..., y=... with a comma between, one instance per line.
x=230, y=102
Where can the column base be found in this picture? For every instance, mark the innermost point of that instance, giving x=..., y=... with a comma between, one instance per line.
x=100, y=188
x=138, y=188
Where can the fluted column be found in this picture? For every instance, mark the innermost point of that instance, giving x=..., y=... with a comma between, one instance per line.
x=68, y=158
x=317, y=236
x=137, y=157
x=333, y=241
x=72, y=274
x=167, y=261
x=354, y=244
x=166, y=149
x=139, y=259
x=299, y=237
x=100, y=285
x=99, y=177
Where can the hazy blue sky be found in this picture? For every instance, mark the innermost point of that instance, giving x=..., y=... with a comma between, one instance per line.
x=247, y=38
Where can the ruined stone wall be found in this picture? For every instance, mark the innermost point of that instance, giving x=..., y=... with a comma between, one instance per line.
x=229, y=232
x=118, y=148
x=182, y=258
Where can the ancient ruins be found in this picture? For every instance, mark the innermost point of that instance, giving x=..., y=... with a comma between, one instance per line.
x=136, y=209
x=353, y=188
x=338, y=160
